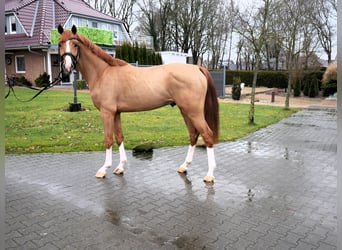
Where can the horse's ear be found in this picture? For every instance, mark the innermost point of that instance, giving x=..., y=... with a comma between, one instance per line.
x=74, y=29
x=60, y=29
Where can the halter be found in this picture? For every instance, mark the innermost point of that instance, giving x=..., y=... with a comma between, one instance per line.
x=74, y=58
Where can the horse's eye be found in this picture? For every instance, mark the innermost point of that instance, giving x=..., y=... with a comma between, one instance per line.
x=75, y=45
x=59, y=45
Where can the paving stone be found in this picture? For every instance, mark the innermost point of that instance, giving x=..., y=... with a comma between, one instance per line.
x=53, y=201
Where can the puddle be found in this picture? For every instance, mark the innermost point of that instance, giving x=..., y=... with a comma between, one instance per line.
x=143, y=152
x=143, y=155
x=263, y=150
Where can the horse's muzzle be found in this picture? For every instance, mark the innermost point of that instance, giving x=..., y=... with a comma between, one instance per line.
x=67, y=70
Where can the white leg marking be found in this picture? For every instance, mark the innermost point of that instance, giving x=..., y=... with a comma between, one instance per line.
x=123, y=159
x=211, y=165
x=101, y=173
x=188, y=159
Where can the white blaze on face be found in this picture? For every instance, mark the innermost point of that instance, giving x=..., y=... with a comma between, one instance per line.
x=67, y=59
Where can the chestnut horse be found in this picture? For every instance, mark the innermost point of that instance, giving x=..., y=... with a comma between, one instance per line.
x=116, y=86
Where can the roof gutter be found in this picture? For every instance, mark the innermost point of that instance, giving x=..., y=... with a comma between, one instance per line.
x=33, y=52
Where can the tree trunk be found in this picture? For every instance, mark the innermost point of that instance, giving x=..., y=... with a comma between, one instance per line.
x=255, y=76
x=252, y=106
x=289, y=84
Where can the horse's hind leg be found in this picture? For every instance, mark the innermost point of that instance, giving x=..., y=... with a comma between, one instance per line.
x=119, y=140
x=202, y=127
x=193, y=140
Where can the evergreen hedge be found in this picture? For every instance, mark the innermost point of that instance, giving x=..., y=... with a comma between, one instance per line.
x=270, y=79
x=303, y=80
x=132, y=54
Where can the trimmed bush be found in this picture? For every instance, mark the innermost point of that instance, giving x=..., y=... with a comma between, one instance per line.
x=236, y=88
x=312, y=88
x=329, y=88
x=297, y=89
x=81, y=84
x=23, y=81
x=43, y=80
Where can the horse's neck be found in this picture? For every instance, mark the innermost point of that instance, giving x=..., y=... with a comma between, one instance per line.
x=91, y=67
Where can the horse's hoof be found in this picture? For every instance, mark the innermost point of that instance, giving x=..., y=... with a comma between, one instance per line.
x=118, y=171
x=100, y=174
x=208, y=179
x=182, y=170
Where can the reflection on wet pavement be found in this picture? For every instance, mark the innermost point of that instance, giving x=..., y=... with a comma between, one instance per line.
x=275, y=183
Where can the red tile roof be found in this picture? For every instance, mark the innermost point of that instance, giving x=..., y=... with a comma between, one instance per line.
x=38, y=17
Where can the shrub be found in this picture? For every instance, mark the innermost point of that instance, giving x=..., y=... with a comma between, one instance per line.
x=23, y=81
x=43, y=80
x=330, y=88
x=236, y=88
x=313, y=88
x=81, y=84
x=297, y=88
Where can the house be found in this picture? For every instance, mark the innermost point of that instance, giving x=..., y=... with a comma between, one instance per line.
x=31, y=36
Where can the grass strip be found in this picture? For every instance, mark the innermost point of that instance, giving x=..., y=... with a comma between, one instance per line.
x=43, y=125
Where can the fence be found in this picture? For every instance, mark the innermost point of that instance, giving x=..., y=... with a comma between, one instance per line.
x=220, y=82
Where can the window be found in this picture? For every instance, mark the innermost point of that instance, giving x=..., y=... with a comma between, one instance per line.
x=94, y=24
x=12, y=25
x=20, y=64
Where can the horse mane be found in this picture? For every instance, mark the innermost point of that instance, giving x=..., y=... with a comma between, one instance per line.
x=97, y=50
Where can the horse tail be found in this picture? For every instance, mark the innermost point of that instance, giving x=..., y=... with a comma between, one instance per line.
x=211, y=106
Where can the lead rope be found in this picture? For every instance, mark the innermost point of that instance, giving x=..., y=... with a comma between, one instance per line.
x=53, y=83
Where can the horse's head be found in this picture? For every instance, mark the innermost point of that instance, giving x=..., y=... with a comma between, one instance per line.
x=69, y=48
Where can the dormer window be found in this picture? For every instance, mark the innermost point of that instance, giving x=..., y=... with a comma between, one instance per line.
x=12, y=25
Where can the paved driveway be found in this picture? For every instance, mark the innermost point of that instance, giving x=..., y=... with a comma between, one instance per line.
x=53, y=201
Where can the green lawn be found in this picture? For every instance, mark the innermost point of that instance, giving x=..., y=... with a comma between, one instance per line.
x=42, y=125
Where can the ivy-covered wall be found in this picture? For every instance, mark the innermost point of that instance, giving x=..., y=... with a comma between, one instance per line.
x=98, y=36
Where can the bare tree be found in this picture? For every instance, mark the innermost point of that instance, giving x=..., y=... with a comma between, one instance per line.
x=253, y=26
x=309, y=44
x=231, y=12
x=122, y=9
x=292, y=14
x=274, y=43
x=323, y=12
x=205, y=15
x=218, y=30
x=165, y=10
x=149, y=20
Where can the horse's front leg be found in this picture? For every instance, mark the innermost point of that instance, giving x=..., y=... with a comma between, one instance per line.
x=119, y=140
x=108, y=127
x=101, y=173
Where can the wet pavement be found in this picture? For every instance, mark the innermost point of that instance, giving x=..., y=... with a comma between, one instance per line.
x=274, y=189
